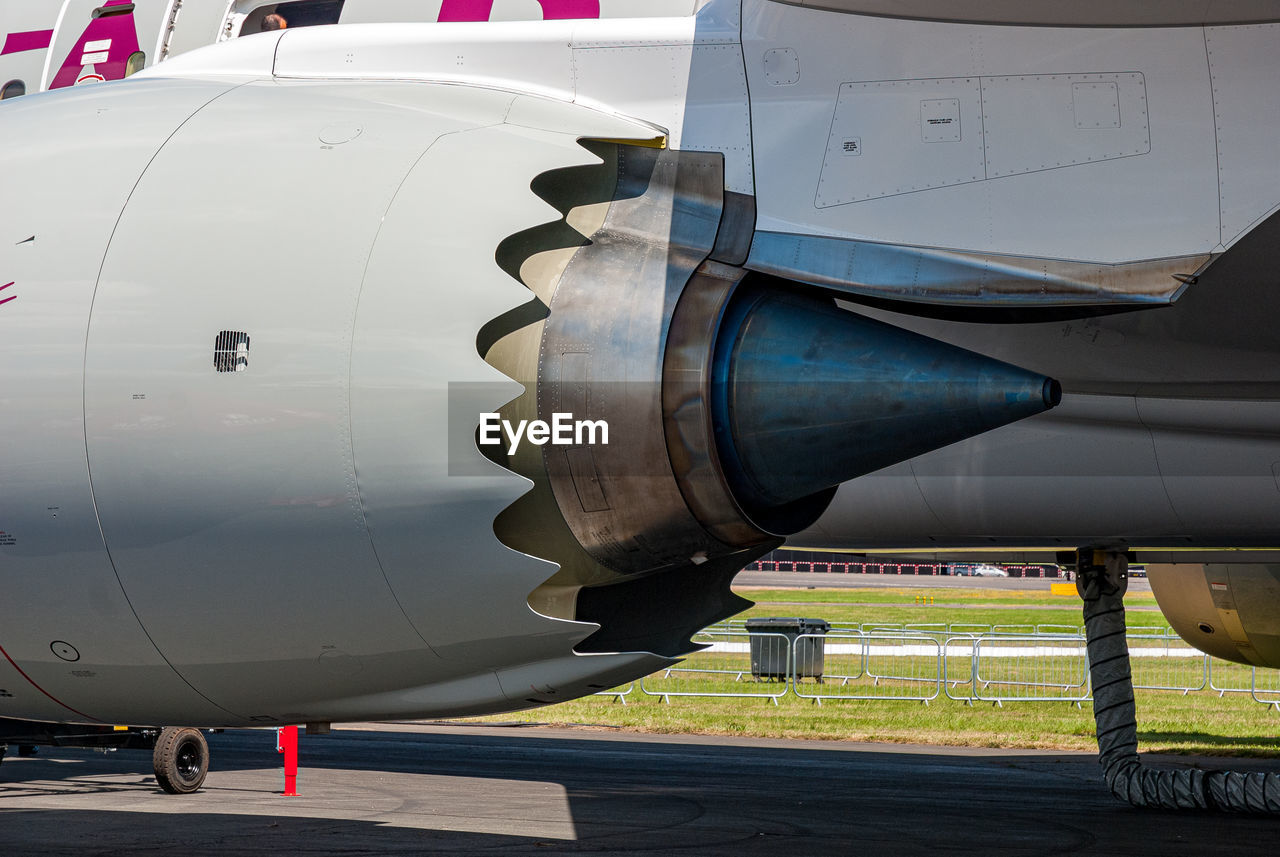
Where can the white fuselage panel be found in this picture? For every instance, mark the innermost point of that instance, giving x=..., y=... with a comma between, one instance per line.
x=1013, y=140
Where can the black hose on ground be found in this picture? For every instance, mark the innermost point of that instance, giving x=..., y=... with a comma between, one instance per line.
x=1101, y=581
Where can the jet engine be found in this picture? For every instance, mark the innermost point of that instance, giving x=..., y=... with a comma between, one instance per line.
x=1228, y=610
x=263, y=337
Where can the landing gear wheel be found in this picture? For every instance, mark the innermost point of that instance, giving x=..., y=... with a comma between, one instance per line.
x=180, y=759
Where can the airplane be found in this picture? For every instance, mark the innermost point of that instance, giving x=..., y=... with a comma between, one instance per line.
x=313, y=337
x=44, y=44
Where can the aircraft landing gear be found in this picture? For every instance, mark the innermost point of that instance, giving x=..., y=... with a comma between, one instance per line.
x=180, y=759
x=179, y=754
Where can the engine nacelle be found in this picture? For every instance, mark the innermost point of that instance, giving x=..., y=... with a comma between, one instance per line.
x=1229, y=610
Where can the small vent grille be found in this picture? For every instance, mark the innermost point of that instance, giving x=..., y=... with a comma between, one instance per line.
x=231, y=351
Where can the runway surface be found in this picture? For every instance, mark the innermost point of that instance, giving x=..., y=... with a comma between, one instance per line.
x=462, y=789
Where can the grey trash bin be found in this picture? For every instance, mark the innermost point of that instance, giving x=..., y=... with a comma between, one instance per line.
x=770, y=656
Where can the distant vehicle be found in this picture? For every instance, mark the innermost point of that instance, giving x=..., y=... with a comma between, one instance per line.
x=978, y=571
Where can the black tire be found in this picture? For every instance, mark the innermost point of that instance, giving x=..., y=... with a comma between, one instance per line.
x=180, y=760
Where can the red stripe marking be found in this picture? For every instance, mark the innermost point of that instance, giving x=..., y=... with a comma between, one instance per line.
x=6, y=300
x=33, y=40
x=42, y=690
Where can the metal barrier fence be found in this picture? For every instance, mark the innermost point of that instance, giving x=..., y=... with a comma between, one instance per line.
x=1261, y=683
x=1030, y=668
x=1226, y=677
x=920, y=662
x=1054, y=667
x=618, y=694
x=876, y=665
x=1266, y=687
x=968, y=628
x=1165, y=662
x=731, y=661
x=1014, y=630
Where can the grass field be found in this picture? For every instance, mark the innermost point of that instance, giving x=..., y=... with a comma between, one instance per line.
x=846, y=606
x=1198, y=722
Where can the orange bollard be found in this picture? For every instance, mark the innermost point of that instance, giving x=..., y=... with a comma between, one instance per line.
x=287, y=743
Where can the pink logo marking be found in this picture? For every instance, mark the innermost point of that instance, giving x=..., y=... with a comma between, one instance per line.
x=34, y=40
x=4, y=300
x=480, y=10
x=102, y=52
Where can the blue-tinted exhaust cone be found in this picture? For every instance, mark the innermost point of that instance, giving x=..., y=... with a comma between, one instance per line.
x=806, y=396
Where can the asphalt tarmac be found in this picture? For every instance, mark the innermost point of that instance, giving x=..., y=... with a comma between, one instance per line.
x=463, y=789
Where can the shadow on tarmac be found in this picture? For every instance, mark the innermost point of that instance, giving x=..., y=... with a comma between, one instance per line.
x=462, y=790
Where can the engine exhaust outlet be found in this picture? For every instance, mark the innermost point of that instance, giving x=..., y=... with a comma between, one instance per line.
x=806, y=395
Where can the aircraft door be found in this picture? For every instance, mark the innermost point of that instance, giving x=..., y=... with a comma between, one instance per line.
x=100, y=40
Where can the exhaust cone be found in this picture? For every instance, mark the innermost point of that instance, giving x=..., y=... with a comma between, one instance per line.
x=806, y=396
